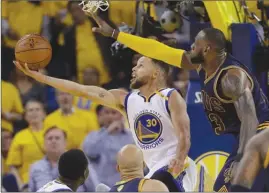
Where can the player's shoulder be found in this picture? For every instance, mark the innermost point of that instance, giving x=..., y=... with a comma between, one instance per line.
x=154, y=185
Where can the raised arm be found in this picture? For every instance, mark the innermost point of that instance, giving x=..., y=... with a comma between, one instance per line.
x=236, y=85
x=112, y=98
x=181, y=123
x=147, y=47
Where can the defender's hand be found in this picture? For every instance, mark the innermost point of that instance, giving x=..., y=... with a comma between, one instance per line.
x=176, y=167
x=103, y=28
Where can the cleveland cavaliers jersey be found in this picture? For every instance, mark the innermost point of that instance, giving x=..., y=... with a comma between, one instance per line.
x=220, y=110
x=151, y=126
x=55, y=186
x=133, y=185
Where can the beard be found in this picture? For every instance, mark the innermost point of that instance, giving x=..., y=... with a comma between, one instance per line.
x=136, y=84
x=198, y=58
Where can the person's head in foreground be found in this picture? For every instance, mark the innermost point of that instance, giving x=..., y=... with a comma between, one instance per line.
x=209, y=44
x=73, y=168
x=149, y=72
x=130, y=164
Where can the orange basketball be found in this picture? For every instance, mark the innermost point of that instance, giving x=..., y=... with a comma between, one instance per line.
x=34, y=50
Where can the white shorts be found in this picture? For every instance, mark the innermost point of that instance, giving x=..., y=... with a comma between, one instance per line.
x=188, y=180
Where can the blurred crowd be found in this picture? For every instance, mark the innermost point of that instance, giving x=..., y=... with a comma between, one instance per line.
x=38, y=122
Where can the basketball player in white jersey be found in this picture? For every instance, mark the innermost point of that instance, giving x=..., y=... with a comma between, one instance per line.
x=157, y=117
x=73, y=171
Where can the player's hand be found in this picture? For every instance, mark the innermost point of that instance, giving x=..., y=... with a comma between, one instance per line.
x=176, y=167
x=24, y=68
x=103, y=28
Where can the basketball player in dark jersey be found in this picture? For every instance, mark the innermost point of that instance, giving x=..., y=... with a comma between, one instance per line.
x=131, y=167
x=256, y=156
x=232, y=98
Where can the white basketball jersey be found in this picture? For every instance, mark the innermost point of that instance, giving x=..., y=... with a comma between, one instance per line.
x=151, y=126
x=55, y=186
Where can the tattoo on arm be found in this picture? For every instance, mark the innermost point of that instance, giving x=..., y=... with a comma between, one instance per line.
x=101, y=95
x=236, y=86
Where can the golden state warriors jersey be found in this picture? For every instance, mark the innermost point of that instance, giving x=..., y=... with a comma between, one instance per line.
x=151, y=127
x=55, y=186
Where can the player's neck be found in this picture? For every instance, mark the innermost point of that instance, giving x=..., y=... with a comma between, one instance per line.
x=74, y=186
x=149, y=89
x=213, y=65
x=133, y=175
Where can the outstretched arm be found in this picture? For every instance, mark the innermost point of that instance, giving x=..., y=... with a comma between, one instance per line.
x=181, y=123
x=113, y=98
x=252, y=162
x=236, y=85
x=147, y=47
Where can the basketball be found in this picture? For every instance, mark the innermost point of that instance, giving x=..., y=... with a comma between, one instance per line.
x=34, y=50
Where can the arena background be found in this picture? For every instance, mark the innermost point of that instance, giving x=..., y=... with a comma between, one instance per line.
x=240, y=26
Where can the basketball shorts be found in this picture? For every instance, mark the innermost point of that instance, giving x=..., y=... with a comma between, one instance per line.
x=185, y=182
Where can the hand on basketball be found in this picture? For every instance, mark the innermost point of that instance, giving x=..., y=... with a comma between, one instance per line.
x=24, y=68
x=103, y=28
x=176, y=167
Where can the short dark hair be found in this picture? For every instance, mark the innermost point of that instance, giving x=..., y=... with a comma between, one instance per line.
x=55, y=127
x=72, y=164
x=216, y=37
x=164, y=66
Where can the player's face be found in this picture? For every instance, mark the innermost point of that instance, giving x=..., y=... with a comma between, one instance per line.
x=55, y=141
x=142, y=72
x=198, y=49
x=34, y=112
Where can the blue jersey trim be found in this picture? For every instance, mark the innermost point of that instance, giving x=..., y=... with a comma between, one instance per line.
x=166, y=101
x=201, y=183
x=126, y=103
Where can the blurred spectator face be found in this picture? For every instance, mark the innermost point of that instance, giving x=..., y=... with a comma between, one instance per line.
x=135, y=59
x=34, y=112
x=65, y=100
x=55, y=141
x=91, y=76
x=77, y=14
x=107, y=115
x=6, y=139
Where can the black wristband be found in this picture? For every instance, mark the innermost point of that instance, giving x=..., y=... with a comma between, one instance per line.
x=238, y=188
x=238, y=157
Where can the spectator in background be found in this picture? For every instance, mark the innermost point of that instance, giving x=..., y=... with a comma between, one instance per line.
x=102, y=146
x=27, y=145
x=77, y=122
x=182, y=81
x=91, y=77
x=16, y=24
x=6, y=139
x=46, y=169
x=11, y=105
x=78, y=41
x=28, y=88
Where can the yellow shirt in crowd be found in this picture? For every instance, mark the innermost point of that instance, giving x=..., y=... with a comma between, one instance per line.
x=25, y=150
x=78, y=125
x=86, y=104
x=24, y=18
x=11, y=102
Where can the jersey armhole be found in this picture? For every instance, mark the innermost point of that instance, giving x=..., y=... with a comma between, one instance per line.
x=199, y=68
x=141, y=183
x=167, y=100
x=215, y=86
